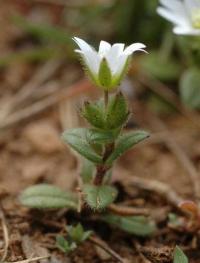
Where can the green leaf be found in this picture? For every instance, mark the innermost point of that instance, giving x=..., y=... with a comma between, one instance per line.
x=44, y=196
x=179, y=256
x=99, y=197
x=105, y=75
x=137, y=225
x=77, y=139
x=102, y=136
x=117, y=111
x=190, y=88
x=125, y=142
x=87, y=170
x=94, y=114
x=64, y=245
x=164, y=70
x=77, y=233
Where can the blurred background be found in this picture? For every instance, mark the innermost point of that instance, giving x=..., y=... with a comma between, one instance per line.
x=43, y=85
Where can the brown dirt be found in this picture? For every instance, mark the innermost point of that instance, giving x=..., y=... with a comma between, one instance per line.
x=31, y=152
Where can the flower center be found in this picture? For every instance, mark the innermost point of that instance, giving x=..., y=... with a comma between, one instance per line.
x=196, y=18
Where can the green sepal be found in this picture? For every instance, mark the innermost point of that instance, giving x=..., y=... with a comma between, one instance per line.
x=125, y=142
x=77, y=139
x=94, y=114
x=105, y=75
x=117, y=111
x=45, y=196
x=99, y=197
x=137, y=225
x=179, y=256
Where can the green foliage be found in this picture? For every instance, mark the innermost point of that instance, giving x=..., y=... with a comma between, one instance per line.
x=111, y=119
x=77, y=233
x=47, y=196
x=190, y=88
x=94, y=114
x=64, y=245
x=77, y=139
x=105, y=75
x=162, y=69
x=102, y=136
x=125, y=142
x=175, y=221
x=179, y=256
x=137, y=225
x=99, y=197
x=87, y=170
x=117, y=111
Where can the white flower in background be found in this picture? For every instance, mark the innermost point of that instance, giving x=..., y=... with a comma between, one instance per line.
x=108, y=66
x=184, y=14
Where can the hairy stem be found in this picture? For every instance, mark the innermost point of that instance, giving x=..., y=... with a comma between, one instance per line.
x=100, y=173
x=106, y=98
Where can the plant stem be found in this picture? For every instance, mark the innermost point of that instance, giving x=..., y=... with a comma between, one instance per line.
x=106, y=98
x=101, y=171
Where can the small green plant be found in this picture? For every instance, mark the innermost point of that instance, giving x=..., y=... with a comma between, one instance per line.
x=75, y=236
x=100, y=145
x=179, y=256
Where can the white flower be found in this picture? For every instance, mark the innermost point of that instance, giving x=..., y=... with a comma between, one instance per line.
x=184, y=14
x=107, y=66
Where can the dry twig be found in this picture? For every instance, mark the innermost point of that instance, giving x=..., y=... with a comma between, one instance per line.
x=161, y=189
x=29, y=260
x=127, y=211
x=102, y=244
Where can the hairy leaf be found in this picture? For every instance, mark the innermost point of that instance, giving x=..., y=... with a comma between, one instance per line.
x=99, y=197
x=102, y=136
x=87, y=170
x=77, y=139
x=179, y=256
x=44, y=196
x=125, y=142
x=137, y=225
x=94, y=114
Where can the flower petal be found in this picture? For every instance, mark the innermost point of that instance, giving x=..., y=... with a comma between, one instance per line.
x=92, y=60
x=113, y=54
x=120, y=64
x=82, y=44
x=134, y=47
x=191, y=5
x=186, y=31
x=104, y=47
x=175, y=18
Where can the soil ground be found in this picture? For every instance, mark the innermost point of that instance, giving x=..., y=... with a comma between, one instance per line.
x=31, y=152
